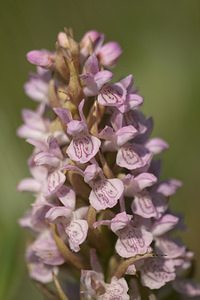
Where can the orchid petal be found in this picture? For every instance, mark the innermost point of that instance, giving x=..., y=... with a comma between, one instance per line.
x=112, y=94
x=105, y=193
x=83, y=148
x=156, y=272
x=77, y=233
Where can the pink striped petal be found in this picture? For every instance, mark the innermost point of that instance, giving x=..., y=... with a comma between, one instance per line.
x=112, y=95
x=142, y=205
x=132, y=241
x=77, y=233
x=83, y=148
x=133, y=156
x=155, y=272
x=63, y=113
x=54, y=182
x=105, y=193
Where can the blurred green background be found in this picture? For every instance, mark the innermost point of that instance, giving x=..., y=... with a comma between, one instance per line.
x=161, y=44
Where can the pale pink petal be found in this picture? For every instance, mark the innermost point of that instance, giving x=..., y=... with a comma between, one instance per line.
x=124, y=134
x=166, y=223
x=109, y=54
x=132, y=241
x=67, y=196
x=80, y=109
x=143, y=181
x=91, y=65
x=46, y=158
x=105, y=193
x=127, y=82
x=120, y=221
x=107, y=133
x=41, y=145
x=40, y=58
x=156, y=145
x=26, y=132
x=89, y=80
x=46, y=250
x=76, y=127
x=155, y=272
x=112, y=94
x=131, y=270
x=142, y=205
x=171, y=248
x=80, y=213
x=54, y=147
x=117, y=120
x=73, y=168
x=59, y=214
x=77, y=233
x=91, y=280
x=169, y=187
x=133, y=101
x=117, y=289
x=102, y=78
x=63, y=113
x=42, y=272
x=133, y=156
x=102, y=222
x=83, y=148
x=29, y=185
x=36, y=92
x=54, y=182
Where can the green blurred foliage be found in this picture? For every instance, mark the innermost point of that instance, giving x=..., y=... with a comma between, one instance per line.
x=161, y=45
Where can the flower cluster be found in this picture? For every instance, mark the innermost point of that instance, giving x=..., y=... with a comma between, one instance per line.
x=101, y=212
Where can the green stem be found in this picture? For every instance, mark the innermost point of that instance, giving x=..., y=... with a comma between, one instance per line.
x=58, y=288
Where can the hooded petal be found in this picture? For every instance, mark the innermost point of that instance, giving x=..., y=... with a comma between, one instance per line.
x=142, y=205
x=164, y=224
x=67, y=196
x=156, y=145
x=59, y=214
x=109, y=54
x=102, y=78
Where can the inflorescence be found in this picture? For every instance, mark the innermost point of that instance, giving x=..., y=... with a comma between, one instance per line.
x=101, y=215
